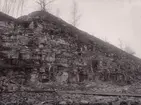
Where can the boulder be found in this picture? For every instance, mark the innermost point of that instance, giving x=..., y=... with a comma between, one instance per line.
x=84, y=102
x=63, y=103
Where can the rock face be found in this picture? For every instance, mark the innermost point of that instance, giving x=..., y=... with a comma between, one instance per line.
x=46, y=52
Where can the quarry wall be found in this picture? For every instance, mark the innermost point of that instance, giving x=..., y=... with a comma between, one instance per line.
x=46, y=53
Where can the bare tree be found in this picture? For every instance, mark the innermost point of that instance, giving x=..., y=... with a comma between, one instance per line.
x=75, y=13
x=12, y=7
x=120, y=44
x=57, y=12
x=126, y=48
x=105, y=39
x=20, y=6
x=129, y=50
x=44, y=3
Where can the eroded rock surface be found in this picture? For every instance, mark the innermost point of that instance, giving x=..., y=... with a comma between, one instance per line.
x=42, y=52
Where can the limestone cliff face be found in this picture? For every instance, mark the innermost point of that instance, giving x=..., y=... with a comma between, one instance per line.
x=46, y=50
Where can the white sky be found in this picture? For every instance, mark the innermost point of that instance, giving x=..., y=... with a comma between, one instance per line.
x=112, y=19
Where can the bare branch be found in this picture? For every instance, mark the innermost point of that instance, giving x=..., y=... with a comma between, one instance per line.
x=44, y=3
x=57, y=12
x=50, y=2
x=120, y=44
x=126, y=48
x=13, y=7
x=129, y=50
x=75, y=14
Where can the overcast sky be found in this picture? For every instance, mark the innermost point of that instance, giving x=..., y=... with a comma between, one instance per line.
x=113, y=19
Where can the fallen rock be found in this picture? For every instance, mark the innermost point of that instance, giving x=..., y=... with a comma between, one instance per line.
x=63, y=103
x=69, y=101
x=84, y=102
